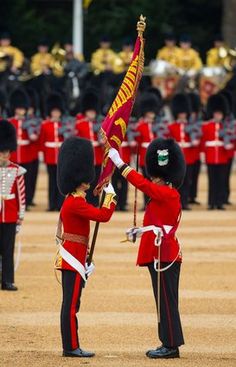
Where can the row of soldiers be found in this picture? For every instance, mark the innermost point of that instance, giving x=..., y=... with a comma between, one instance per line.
x=210, y=138
x=105, y=59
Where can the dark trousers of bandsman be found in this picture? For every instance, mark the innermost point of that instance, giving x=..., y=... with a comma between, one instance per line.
x=228, y=171
x=90, y=197
x=7, y=245
x=30, y=180
x=144, y=173
x=55, y=199
x=121, y=188
x=170, y=329
x=185, y=188
x=72, y=284
x=194, y=182
x=216, y=185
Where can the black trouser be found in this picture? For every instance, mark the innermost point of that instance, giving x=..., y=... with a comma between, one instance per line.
x=228, y=169
x=33, y=178
x=55, y=199
x=72, y=285
x=185, y=188
x=216, y=184
x=27, y=177
x=7, y=245
x=90, y=198
x=170, y=329
x=121, y=188
x=194, y=183
x=144, y=172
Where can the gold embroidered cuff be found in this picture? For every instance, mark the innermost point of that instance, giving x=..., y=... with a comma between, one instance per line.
x=109, y=199
x=125, y=170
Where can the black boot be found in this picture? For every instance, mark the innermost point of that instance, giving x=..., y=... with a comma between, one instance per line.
x=9, y=287
x=77, y=353
x=163, y=352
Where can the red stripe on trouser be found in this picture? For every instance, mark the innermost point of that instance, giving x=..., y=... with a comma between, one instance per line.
x=73, y=322
x=167, y=311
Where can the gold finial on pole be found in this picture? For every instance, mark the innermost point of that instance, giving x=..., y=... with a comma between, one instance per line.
x=141, y=25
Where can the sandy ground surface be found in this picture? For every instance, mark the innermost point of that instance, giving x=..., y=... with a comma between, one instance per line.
x=117, y=318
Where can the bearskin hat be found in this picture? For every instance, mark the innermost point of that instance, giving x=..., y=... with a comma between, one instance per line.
x=90, y=100
x=165, y=159
x=18, y=99
x=180, y=104
x=216, y=103
x=54, y=101
x=148, y=103
x=7, y=136
x=195, y=102
x=33, y=98
x=75, y=164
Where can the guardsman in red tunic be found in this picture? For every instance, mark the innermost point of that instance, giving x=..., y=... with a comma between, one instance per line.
x=51, y=139
x=33, y=125
x=12, y=202
x=149, y=106
x=166, y=168
x=195, y=127
x=216, y=154
x=75, y=173
x=88, y=127
x=180, y=130
x=19, y=104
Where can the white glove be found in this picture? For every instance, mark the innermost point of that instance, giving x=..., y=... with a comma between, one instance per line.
x=89, y=269
x=115, y=157
x=18, y=228
x=109, y=189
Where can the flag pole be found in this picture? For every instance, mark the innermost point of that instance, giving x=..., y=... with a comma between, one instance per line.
x=78, y=26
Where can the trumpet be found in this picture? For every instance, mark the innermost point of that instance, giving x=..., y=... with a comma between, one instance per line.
x=59, y=56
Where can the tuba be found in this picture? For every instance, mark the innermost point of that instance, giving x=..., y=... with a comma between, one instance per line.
x=59, y=56
x=228, y=57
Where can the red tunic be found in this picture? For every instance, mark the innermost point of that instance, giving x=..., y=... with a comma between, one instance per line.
x=50, y=141
x=12, y=193
x=76, y=214
x=213, y=145
x=23, y=153
x=126, y=151
x=84, y=129
x=177, y=132
x=143, y=138
x=164, y=208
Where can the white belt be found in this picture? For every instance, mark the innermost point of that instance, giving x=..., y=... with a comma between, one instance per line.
x=72, y=261
x=53, y=144
x=185, y=144
x=214, y=143
x=145, y=144
x=96, y=143
x=138, y=231
x=23, y=142
x=124, y=144
x=7, y=197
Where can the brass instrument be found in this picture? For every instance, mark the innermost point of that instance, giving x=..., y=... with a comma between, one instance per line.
x=59, y=56
x=228, y=57
x=4, y=61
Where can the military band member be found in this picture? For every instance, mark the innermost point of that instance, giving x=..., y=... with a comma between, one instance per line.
x=42, y=61
x=103, y=58
x=170, y=52
x=149, y=106
x=15, y=55
x=51, y=138
x=216, y=154
x=12, y=202
x=195, y=128
x=19, y=104
x=189, y=59
x=3, y=111
x=87, y=126
x=166, y=168
x=75, y=173
x=217, y=56
x=124, y=57
x=179, y=130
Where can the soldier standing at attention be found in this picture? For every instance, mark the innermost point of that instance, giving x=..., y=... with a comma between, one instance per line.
x=166, y=168
x=75, y=173
x=170, y=52
x=12, y=202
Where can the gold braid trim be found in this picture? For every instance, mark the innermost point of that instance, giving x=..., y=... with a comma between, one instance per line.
x=109, y=199
x=125, y=170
